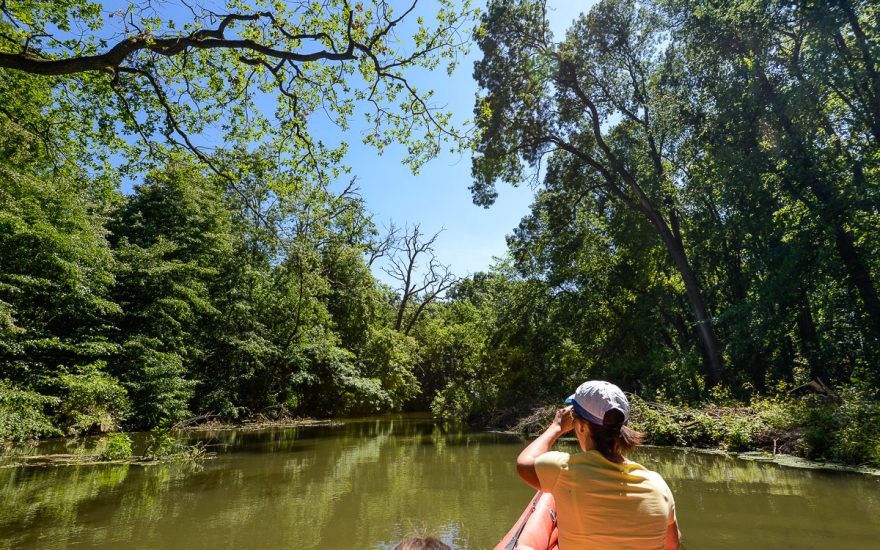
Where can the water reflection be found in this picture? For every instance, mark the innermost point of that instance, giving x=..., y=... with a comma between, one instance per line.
x=737, y=504
x=369, y=483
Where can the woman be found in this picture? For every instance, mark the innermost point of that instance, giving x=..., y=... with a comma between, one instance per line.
x=603, y=500
x=422, y=543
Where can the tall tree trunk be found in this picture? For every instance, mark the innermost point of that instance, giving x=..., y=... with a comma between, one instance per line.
x=860, y=276
x=669, y=230
x=703, y=322
x=830, y=210
x=810, y=339
x=683, y=338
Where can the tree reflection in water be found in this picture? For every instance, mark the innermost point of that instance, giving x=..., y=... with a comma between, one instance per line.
x=370, y=482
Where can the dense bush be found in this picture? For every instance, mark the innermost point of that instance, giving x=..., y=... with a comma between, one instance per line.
x=739, y=433
x=115, y=446
x=91, y=400
x=23, y=413
x=845, y=430
x=657, y=424
x=162, y=442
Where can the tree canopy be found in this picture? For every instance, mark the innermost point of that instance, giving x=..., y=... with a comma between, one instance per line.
x=719, y=155
x=251, y=72
x=706, y=208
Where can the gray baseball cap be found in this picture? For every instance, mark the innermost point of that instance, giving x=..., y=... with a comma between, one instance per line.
x=594, y=398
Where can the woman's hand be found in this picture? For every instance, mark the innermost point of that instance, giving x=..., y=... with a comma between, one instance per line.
x=525, y=463
x=564, y=419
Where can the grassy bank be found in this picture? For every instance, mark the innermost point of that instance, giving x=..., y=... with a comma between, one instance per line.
x=843, y=427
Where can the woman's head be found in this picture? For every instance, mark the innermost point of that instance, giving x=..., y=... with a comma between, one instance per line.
x=421, y=543
x=601, y=411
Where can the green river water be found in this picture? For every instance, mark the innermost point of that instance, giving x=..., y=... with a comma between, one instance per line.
x=367, y=483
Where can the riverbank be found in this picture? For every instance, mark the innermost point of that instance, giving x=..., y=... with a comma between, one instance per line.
x=161, y=445
x=837, y=431
x=258, y=422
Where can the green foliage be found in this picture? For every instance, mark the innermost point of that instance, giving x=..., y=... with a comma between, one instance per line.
x=704, y=167
x=705, y=430
x=156, y=382
x=223, y=284
x=334, y=383
x=116, y=446
x=23, y=413
x=858, y=438
x=57, y=268
x=821, y=424
x=730, y=424
x=452, y=402
x=458, y=375
x=780, y=413
x=162, y=442
x=738, y=433
x=659, y=426
x=91, y=400
x=846, y=431
x=163, y=445
x=168, y=88
x=391, y=357
x=677, y=139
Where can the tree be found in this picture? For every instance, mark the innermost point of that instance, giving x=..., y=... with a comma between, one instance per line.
x=599, y=98
x=420, y=284
x=57, y=267
x=380, y=245
x=171, y=238
x=812, y=68
x=178, y=71
x=303, y=323
x=617, y=311
x=56, y=272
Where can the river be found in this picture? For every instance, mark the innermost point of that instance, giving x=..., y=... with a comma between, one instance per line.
x=367, y=483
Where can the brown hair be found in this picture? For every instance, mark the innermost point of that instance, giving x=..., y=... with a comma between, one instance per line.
x=613, y=438
x=421, y=543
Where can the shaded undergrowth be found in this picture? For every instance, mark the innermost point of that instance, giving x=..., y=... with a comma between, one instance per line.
x=844, y=427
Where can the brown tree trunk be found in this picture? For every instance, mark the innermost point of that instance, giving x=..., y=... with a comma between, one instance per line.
x=859, y=275
x=668, y=230
x=830, y=210
x=703, y=322
x=810, y=339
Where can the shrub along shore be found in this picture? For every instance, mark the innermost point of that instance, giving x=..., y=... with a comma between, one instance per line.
x=835, y=430
x=841, y=429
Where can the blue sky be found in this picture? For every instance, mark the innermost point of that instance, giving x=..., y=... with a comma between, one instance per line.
x=439, y=197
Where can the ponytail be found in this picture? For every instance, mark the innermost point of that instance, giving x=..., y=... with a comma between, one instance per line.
x=613, y=438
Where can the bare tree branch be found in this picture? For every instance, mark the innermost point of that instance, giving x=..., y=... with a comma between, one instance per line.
x=379, y=248
x=411, y=249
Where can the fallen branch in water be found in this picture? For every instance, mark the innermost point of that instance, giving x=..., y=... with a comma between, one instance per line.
x=190, y=421
x=259, y=422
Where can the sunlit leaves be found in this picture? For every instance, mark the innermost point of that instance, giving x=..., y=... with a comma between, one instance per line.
x=322, y=59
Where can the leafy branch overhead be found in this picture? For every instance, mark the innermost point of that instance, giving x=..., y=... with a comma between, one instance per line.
x=189, y=72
